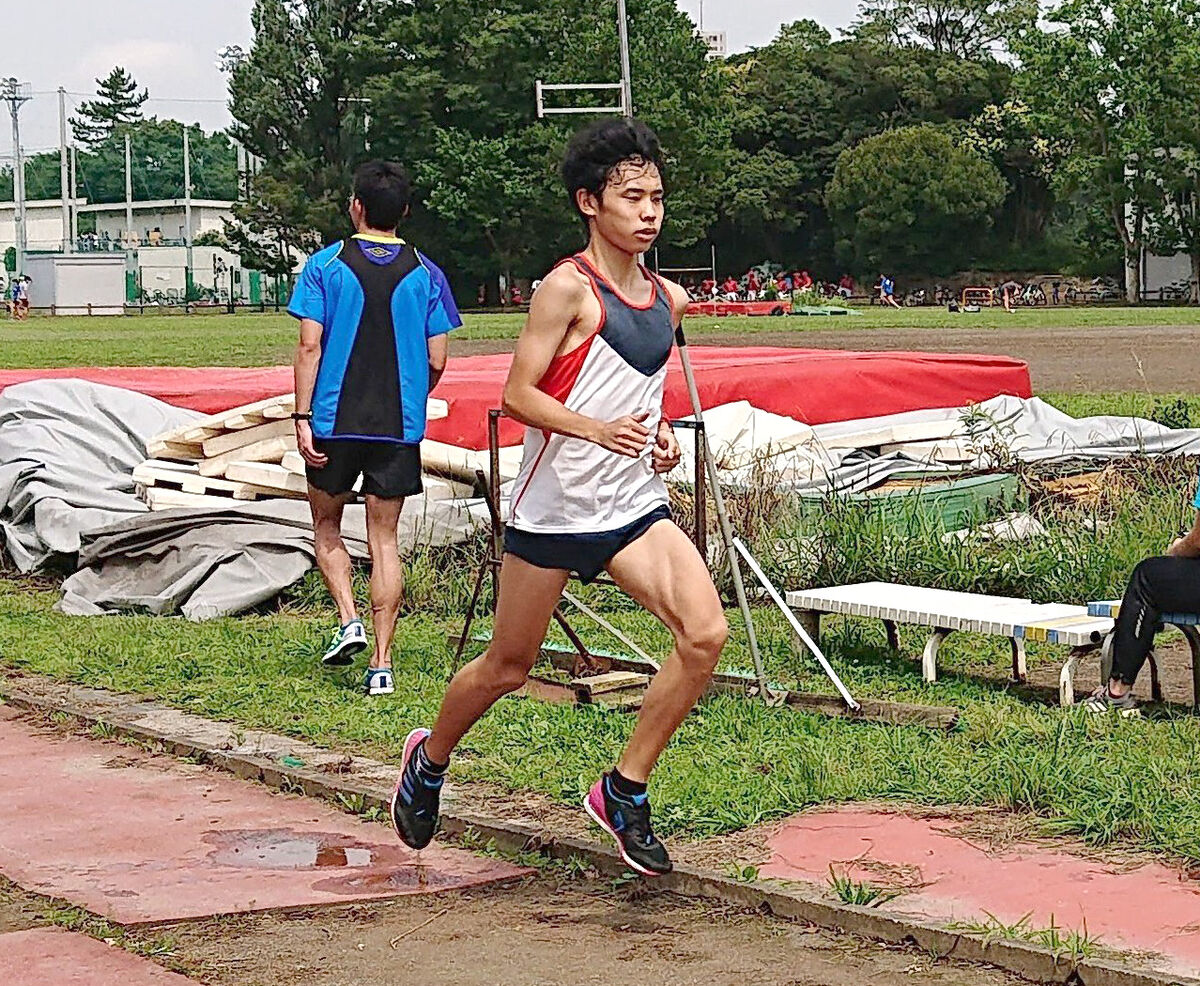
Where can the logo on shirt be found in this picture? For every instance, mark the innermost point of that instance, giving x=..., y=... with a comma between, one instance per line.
x=378, y=251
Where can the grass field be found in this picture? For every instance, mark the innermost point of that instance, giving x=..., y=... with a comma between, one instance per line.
x=734, y=762
x=265, y=340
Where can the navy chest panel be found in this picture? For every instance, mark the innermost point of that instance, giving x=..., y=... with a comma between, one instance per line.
x=641, y=336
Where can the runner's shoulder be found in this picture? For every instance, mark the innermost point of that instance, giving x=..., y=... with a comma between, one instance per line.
x=677, y=294
x=566, y=284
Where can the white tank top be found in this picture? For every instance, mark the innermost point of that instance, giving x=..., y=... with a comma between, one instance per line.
x=572, y=486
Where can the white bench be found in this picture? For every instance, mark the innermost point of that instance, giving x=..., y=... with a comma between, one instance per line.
x=946, y=611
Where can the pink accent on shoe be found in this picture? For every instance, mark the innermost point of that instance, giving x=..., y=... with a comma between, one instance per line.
x=410, y=743
x=593, y=804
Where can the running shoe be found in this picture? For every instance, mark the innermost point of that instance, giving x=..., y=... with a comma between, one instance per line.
x=378, y=681
x=1102, y=702
x=627, y=820
x=415, y=801
x=347, y=641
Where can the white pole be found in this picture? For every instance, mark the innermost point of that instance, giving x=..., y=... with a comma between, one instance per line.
x=796, y=625
x=187, y=204
x=74, y=196
x=626, y=79
x=63, y=187
x=18, y=187
x=128, y=193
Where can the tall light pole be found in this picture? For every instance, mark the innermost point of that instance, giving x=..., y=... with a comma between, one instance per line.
x=67, y=245
x=16, y=94
x=626, y=79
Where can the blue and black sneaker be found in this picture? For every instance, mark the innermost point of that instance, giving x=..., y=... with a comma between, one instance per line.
x=627, y=820
x=417, y=796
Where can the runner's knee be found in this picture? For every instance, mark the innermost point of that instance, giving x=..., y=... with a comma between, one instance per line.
x=507, y=671
x=700, y=641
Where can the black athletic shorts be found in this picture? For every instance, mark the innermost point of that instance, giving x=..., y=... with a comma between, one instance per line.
x=584, y=554
x=388, y=469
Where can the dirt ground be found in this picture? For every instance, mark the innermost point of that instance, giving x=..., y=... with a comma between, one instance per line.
x=540, y=933
x=1148, y=358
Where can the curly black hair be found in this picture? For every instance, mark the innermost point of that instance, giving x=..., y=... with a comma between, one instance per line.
x=598, y=150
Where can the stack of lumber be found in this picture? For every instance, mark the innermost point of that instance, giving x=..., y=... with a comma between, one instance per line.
x=245, y=453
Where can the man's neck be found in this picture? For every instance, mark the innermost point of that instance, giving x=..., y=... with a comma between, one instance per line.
x=383, y=234
x=620, y=267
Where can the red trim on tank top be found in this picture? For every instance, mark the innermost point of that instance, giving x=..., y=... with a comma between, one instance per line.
x=666, y=294
x=532, y=472
x=593, y=272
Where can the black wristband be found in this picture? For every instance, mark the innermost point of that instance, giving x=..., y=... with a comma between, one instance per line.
x=302, y=415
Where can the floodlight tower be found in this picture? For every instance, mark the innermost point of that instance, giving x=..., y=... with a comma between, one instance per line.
x=17, y=94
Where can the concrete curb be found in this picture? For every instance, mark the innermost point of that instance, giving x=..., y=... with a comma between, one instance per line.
x=258, y=756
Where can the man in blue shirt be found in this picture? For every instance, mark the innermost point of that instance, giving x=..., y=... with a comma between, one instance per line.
x=887, y=291
x=374, y=314
x=1166, y=584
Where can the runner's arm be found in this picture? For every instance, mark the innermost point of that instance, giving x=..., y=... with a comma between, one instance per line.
x=306, y=362
x=554, y=310
x=439, y=350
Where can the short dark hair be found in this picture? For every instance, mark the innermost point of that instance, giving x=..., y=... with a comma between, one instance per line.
x=384, y=191
x=596, y=151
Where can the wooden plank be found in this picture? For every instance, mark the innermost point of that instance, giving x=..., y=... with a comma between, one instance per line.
x=158, y=448
x=186, y=478
x=268, y=475
x=216, y=422
x=293, y=462
x=164, y=499
x=461, y=463
x=247, y=436
x=269, y=450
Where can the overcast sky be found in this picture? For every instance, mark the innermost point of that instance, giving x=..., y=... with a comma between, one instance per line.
x=170, y=47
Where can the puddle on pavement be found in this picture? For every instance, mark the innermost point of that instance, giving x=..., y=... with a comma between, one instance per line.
x=288, y=849
x=412, y=877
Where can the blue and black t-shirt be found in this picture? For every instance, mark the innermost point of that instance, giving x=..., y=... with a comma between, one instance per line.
x=378, y=301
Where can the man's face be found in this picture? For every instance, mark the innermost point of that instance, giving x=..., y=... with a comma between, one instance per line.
x=629, y=211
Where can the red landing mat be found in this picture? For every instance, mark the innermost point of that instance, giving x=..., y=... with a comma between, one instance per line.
x=139, y=839
x=813, y=385
x=738, y=307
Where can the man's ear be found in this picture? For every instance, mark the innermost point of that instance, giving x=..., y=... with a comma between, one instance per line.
x=587, y=203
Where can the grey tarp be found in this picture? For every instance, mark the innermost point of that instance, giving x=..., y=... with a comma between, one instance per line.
x=67, y=451
x=67, y=448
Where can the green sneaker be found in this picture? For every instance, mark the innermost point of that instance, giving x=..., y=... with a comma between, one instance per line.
x=347, y=641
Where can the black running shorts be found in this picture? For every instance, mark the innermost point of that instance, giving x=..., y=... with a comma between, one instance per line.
x=388, y=469
x=584, y=554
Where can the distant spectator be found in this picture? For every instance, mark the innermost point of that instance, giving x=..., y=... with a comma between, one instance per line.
x=481, y=295
x=1054, y=296
x=1010, y=291
x=845, y=286
x=537, y=283
x=802, y=281
x=753, y=285
x=708, y=288
x=10, y=295
x=729, y=289
x=887, y=291
x=516, y=296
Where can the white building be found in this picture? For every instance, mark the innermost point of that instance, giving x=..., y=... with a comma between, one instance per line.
x=714, y=41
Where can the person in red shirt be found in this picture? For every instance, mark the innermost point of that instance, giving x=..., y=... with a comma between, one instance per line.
x=802, y=281
x=752, y=284
x=708, y=287
x=845, y=285
x=730, y=287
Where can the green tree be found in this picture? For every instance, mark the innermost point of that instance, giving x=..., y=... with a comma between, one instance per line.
x=293, y=100
x=799, y=103
x=964, y=28
x=117, y=104
x=1114, y=82
x=912, y=201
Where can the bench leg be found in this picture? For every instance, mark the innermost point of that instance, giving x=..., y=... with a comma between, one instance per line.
x=1066, y=677
x=893, y=638
x=1018, y=659
x=1193, y=639
x=929, y=654
x=810, y=619
x=1156, y=692
x=1106, y=659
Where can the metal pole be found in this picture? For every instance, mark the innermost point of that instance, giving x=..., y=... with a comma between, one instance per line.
x=187, y=212
x=796, y=625
x=18, y=186
x=735, y=568
x=128, y=193
x=63, y=188
x=626, y=79
x=74, y=197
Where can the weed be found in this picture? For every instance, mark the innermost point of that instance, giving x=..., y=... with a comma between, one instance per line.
x=857, y=892
x=103, y=730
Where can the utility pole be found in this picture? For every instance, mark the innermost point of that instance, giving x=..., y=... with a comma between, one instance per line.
x=16, y=94
x=187, y=210
x=128, y=193
x=74, y=196
x=67, y=245
x=626, y=80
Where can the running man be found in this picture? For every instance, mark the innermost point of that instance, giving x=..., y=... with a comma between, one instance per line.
x=587, y=381
x=374, y=314
x=887, y=291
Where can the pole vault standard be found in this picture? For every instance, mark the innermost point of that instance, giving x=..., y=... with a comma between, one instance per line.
x=734, y=548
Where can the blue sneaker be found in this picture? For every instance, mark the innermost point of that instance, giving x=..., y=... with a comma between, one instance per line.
x=378, y=681
x=417, y=797
x=347, y=641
